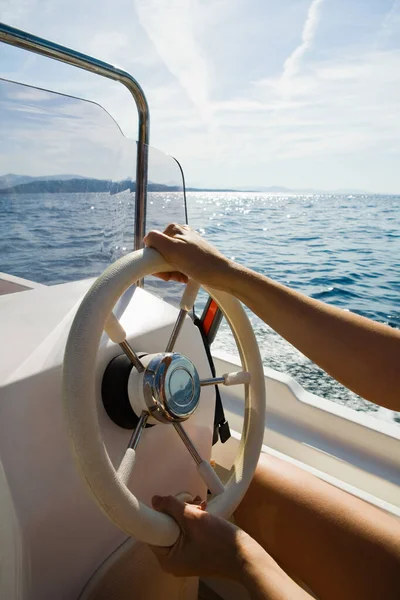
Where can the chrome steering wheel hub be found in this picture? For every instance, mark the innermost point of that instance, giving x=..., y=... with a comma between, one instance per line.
x=170, y=387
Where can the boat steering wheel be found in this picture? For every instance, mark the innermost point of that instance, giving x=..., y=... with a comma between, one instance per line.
x=167, y=389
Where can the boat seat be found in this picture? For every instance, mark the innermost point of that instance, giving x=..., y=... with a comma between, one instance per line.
x=132, y=572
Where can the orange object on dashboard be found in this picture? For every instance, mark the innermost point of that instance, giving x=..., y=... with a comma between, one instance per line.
x=209, y=317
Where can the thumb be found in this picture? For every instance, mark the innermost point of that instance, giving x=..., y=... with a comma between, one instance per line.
x=171, y=506
x=159, y=241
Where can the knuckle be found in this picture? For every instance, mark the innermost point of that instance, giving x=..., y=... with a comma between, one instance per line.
x=151, y=236
x=173, y=228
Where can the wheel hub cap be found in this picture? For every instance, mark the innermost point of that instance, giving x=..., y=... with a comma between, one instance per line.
x=171, y=387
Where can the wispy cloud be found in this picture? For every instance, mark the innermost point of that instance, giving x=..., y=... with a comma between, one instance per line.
x=171, y=26
x=292, y=64
x=390, y=25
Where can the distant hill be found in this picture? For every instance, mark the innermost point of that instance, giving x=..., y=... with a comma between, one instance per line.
x=54, y=184
x=66, y=186
x=193, y=189
x=10, y=180
x=279, y=189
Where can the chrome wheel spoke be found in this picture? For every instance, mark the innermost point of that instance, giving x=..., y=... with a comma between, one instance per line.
x=238, y=378
x=128, y=462
x=205, y=470
x=117, y=334
x=188, y=443
x=131, y=354
x=188, y=299
x=176, y=330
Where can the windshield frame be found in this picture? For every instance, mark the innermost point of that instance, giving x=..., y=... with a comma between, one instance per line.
x=26, y=41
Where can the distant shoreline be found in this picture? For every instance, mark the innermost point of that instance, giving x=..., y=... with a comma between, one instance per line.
x=23, y=184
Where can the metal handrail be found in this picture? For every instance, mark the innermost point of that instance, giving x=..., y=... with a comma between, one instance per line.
x=27, y=41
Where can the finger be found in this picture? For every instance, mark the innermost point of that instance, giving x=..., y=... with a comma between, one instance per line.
x=163, y=276
x=159, y=241
x=173, y=228
x=172, y=275
x=171, y=506
x=198, y=503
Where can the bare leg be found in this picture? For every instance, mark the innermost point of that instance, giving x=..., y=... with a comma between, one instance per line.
x=340, y=546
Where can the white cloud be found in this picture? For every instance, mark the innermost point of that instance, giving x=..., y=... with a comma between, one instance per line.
x=12, y=12
x=390, y=25
x=292, y=64
x=348, y=90
x=171, y=26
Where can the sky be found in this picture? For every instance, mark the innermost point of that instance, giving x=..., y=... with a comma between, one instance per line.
x=245, y=93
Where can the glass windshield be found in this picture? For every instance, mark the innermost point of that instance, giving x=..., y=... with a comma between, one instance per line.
x=67, y=186
x=165, y=204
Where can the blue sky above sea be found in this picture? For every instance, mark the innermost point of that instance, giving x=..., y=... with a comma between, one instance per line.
x=244, y=92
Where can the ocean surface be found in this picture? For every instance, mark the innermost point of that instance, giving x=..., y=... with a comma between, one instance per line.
x=342, y=249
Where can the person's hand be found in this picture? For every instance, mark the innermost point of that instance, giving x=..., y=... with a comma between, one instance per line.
x=189, y=254
x=207, y=545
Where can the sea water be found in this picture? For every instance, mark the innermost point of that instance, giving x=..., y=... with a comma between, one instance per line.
x=341, y=249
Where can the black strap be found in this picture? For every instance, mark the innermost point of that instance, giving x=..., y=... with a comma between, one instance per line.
x=221, y=425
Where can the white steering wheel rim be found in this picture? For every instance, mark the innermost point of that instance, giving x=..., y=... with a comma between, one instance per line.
x=79, y=397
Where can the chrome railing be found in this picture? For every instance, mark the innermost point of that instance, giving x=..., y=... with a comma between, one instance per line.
x=21, y=39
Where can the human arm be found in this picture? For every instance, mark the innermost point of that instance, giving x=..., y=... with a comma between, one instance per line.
x=211, y=546
x=361, y=354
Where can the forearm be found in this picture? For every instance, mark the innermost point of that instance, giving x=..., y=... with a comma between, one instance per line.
x=264, y=579
x=361, y=354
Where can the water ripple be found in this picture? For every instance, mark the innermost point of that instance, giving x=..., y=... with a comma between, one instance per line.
x=339, y=249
